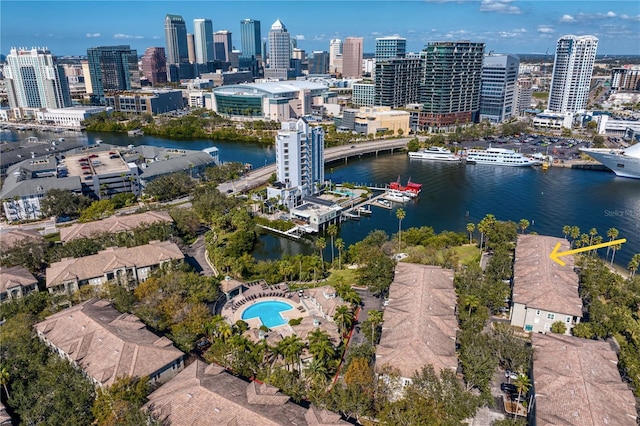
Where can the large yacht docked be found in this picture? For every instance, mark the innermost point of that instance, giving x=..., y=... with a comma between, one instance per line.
x=622, y=162
x=435, y=153
x=499, y=157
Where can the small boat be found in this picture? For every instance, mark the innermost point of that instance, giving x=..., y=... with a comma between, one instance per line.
x=383, y=202
x=351, y=216
x=363, y=211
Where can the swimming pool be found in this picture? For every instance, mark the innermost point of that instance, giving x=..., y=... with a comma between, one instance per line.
x=268, y=312
x=344, y=192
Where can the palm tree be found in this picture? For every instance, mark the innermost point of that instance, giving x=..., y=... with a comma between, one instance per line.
x=523, y=224
x=375, y=318
x=321, y=244
x=340, y=246
x=612, y=233
x=470, y=228
x=566, y=230
x=400, y=214
x=320, y=345
x=575, y=233
x=523, y=384
x=316, y=373
x=332, y=230
x=4, y=379
x=472, y=302
x=351, y=297
x=614, y=248
x=344, y=318
x=592, y=233
x=291, y=348
x=633, y=265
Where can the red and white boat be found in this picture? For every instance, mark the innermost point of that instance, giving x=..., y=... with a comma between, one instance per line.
x=412, y=189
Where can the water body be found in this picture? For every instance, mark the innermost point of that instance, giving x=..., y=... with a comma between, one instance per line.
x=452, y=195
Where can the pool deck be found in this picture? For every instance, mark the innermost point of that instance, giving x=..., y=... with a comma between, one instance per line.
x=234, y=308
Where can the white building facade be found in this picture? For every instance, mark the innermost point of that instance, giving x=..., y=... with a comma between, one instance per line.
x=203, y=40
x=572, y=71
x=498, y=87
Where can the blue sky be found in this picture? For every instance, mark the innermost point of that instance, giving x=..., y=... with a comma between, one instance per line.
x=505, y=26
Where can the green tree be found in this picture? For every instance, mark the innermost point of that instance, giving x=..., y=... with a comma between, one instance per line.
x=320, y=345
x=97, y=210
x=332, y=230
x=400, y=214
x=321, y=244
x=470, y=228
x=340, y=246
x=291, y=349
x=375, y=271
x=523, y=225
x=633, y=265
x=566, y=230
x=558, y=327
x=121, y=403
x=61, y=202
x=523, y=383
x=4, y=380
x=344, y=318
x=575, y=233
x=612, y=233
x=375, y=318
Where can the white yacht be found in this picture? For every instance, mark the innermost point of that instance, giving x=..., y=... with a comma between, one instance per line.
x=435, y=153
x=397, y=196
x=622, y=162
x=500, y=157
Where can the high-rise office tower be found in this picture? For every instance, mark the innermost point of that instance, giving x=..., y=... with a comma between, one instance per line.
x=390, y=47
x=450, y=89
x=300, y=156
x=572, y=70
x=250, y=38
x=175, y=31
x=154, y=65
x=279, y=52
x=335, y=51
x=352, y=57
x=113, y=68
x=319, y=62
x=397, y=81
x=191, y=48
x=222, y=45
x=203, y=40
x=35, y=80
x=499, y=87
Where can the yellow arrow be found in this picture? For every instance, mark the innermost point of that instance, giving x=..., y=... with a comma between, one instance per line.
x=555, y=256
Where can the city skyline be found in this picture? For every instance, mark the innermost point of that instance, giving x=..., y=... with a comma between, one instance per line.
x=506, y=26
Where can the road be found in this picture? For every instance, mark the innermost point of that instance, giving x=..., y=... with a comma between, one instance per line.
x=260, y=176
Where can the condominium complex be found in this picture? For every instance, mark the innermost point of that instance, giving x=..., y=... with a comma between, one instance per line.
x=279, y=52
x=390, y=47
x=35, y=80
x=363, y=94
x=397, y=81
x=203, y=40
x=572, y=71
x=154, y=65
x=450, y=92
x=299, y=160
x=112, y=68
x=524, y=95
x=499, y=86
x=352, y=57
x=626, y=78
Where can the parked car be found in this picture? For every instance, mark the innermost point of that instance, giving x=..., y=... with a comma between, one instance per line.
x=508, y=388
x=510, y=375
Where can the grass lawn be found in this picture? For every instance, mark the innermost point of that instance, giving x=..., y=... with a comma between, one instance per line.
x=52, y=238
x=540, y=95
x=337, y=276
x=468, y=254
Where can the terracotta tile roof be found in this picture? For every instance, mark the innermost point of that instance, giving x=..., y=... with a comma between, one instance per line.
x=107, y=260
x=419, y=322
x=9, y=239
x=15, y=276
x=577, y=383
x=107, y=344
x=113, y=224
x=203, y=395
x=539, y=282
x=326, y=298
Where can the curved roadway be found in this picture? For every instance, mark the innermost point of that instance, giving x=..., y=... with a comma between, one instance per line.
x=260, y=176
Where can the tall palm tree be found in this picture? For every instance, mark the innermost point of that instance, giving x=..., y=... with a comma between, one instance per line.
x=291, y=349
x=614, y=248
x=340, y=246
x=566, y=230
x=321, y=244
x=523, y=224
x=575, y=233
x=592, y=233
x=352, y=297
x=523, y=384
x=400, y=214
x=316, y=373
x=344, y=318
x=332, y=230
x=375, y=318
x=633, y=265
x=470, y=228
x=320, y=345
x=4, y=379
x=612, y=233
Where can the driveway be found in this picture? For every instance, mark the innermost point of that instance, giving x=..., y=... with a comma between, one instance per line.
x=196, y=257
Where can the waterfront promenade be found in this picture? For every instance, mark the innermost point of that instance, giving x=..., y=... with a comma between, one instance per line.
x=342, y=153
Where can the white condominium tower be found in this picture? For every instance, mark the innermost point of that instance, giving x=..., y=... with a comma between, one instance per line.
x=572, y=70
x=35, y=80
x=203, y=40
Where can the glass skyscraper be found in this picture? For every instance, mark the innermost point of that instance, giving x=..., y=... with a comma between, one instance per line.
x=250, y=38
x=113, y=68
x=175, y=31
x=35, y=80
x=572, y=71
x=499, y=85
x=390, y=47
x=203, y=40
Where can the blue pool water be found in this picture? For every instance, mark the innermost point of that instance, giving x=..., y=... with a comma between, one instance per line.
x=268, y=312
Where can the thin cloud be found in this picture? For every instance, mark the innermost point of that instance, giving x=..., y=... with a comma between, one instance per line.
x=567, y=18
x=127, y=36
x=299, y=37
x=545, y=29
x=94, y=35
x=499, y=6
